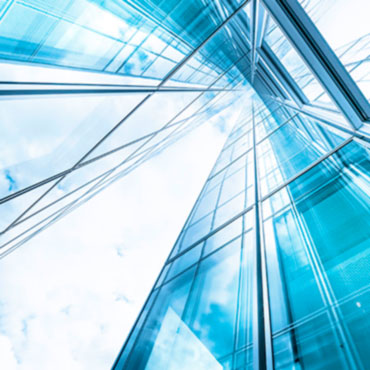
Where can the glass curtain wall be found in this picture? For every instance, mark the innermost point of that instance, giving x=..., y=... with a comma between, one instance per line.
x=271, y=269
x=78, y=112
x=294, y=192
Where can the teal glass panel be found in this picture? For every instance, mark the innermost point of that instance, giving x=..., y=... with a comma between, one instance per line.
x=232, y=186
x=162, y=321
x=196, y=231
x=184, y=261
x=207, y=203
x=246, y=299
x=211, y=310
x=131, y=340
x=107, y=36
x=228, y=210
x=310, y=345
x=268, y=122
x=291, y=148
x=317, y=234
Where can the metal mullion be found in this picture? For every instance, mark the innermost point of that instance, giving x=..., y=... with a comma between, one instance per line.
x=272, y=84
x=320, y=58
x=281, y=74
x=5, y=8
x=119, y=91
x=212, y=232
x=103, y=178
x=255, y=7
x=230, y=163
x=242, y=270
x=259, y=331
x=262, y=26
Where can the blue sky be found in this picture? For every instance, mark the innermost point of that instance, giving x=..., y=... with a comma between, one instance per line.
x=71, y=294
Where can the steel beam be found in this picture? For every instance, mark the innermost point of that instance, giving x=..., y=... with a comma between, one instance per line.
x=320, y=58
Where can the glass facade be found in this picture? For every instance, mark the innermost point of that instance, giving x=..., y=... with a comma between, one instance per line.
x=272, y=267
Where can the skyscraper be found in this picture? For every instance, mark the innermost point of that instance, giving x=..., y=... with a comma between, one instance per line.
x=271, y=269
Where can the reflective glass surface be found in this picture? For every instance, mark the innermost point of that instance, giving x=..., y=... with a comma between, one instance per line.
x=271, y=267
x=317, y=244
x=210, y=320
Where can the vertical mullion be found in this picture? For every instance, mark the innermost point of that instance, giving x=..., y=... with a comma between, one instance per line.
x=259, y=335
x=243, y=279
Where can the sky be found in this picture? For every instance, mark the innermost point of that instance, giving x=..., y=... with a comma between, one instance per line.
x=70, y=296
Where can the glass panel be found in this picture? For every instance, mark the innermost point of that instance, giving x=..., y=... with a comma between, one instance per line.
x=290, y=149
x=317, y=245
x=184, y=261
x=204, y=315
x=110, y=37
x=211, y=308
x=161, y=324
x=315, y=347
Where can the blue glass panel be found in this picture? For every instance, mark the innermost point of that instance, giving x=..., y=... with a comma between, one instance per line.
x=317, y=245
x=162, y=321
x=290, y=149
x=211, y=309
x=193, y=319
x=184, y=261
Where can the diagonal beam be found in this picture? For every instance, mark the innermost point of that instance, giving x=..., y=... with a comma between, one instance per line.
x=110, y=132
x=258, y=27
x=320, y=58
x=64, y=90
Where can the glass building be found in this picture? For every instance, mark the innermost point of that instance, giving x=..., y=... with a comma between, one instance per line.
x=272, y=267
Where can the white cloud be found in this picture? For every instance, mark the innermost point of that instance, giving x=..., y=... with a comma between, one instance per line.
x=70, y=296
x=7, y=356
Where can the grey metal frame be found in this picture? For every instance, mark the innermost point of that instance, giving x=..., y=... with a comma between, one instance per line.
x=320, y=58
